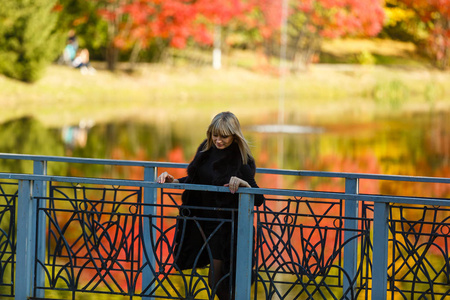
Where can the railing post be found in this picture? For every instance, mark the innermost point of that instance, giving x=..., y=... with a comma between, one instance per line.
x=380, y=250
x=350, y=232
x=40, y=190
x=244, y=247
x=148, y=230
x=24, y=250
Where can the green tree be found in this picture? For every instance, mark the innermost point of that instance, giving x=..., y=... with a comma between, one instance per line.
x=29, y=39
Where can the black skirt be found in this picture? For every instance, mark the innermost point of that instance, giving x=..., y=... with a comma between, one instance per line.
x=199, y=241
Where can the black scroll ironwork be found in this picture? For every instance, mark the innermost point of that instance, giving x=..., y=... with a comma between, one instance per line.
x=96, y=244
x=8, y=198
x=93, y=242
x=420, y=252
x=300, y=251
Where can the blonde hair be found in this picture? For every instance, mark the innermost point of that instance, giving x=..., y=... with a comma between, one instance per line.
x=226, y=124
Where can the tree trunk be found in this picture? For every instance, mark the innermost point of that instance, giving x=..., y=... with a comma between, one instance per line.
x=112, y=53
x=134, y=55
x=112, y=56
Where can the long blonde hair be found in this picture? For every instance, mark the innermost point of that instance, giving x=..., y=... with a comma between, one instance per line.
x=226, y=124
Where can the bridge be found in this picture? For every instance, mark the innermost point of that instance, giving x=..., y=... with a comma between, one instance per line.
x=65, y=237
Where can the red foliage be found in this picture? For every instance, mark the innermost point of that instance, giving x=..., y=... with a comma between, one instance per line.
x=58, y=8
x=271, y=11
x=330, y=18
x=142, y=21
x=177, y=21
x=219, y=11
x=176, y=155
x=436, y=14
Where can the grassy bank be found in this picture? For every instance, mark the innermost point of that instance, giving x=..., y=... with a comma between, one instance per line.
x=158, y=92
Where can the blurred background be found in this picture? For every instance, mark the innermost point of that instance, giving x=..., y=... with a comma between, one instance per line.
x=325, y=85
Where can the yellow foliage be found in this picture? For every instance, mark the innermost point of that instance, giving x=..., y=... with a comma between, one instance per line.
x=396, y=15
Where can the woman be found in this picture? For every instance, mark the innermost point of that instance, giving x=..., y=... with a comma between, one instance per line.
x=223, y=159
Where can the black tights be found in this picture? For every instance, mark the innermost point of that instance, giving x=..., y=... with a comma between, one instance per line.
x=216, y=272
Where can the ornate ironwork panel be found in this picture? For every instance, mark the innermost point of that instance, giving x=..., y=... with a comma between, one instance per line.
x=300, y=247
x=95, y=244
x=419, y=266
x=8, y=198
x=93, y=241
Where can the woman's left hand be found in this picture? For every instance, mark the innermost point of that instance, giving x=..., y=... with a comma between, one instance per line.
x=235, y=183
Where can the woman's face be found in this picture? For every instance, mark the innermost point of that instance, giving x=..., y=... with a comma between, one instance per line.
x=222, y=141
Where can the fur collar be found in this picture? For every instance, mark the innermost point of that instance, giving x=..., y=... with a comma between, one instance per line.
x=224, y=167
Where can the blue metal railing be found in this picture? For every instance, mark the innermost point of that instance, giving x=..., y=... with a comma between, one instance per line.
x=63, y=236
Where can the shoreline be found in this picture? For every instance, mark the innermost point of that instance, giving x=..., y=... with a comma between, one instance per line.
x=161, y=93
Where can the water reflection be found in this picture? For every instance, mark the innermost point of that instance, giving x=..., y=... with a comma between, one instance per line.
x=76, y=135
x=28, y=136
x=417, y=145
x=292, y=129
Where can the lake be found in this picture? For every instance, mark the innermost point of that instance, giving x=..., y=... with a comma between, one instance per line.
x=416, y=145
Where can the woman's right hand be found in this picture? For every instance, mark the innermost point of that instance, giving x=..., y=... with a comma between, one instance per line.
x=166, y=177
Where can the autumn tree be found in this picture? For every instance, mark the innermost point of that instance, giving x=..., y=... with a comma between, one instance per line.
x=135, y=25
x=434, y=17
x=310, y=21
x=401, y=23
x=223, y=18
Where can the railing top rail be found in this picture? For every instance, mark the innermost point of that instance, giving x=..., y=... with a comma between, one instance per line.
x=93, y=161
x=304, y=173
x=263, y=191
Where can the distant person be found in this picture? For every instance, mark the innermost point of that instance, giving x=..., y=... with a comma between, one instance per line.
x=82, y=62
x=72, y=39
x=70, y=49
x=223, y=159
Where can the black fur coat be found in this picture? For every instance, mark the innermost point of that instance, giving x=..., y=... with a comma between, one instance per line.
x=191, y=240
